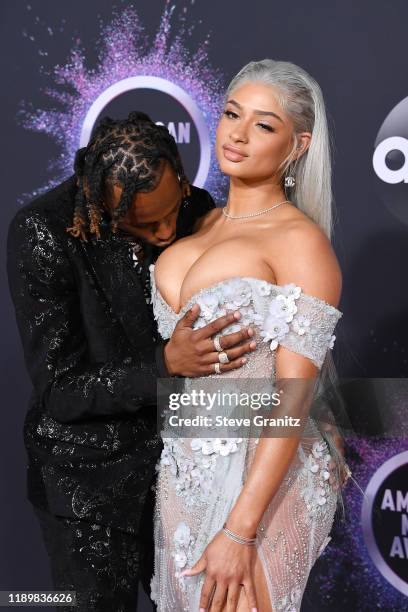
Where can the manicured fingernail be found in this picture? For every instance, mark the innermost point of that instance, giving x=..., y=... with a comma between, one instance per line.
x=202, y=610
x=254, y=610
x=243, y=360
x=237, y=315
x=252, y=345
x=250, y=332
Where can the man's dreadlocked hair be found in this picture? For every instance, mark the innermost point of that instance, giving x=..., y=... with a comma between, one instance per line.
x=125, y=152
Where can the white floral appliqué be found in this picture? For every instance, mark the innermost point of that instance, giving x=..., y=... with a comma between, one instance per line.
x=331, y=339
x=290, y=602
x=301, y=325
x=282, y=310
x=236, y=293
x=193, y=474
x=316, y=466
x=221, y=446
x=208, y=303
x=183, y=541
x=274, y=329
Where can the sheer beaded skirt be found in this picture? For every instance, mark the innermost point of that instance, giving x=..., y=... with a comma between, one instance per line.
x=200, y=479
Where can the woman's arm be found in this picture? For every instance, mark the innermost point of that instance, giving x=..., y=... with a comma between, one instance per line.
x=313, y=266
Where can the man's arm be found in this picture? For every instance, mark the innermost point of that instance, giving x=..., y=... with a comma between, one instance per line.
x=48, y=315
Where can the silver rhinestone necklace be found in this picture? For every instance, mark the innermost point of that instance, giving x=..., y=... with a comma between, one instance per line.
x=257, y=214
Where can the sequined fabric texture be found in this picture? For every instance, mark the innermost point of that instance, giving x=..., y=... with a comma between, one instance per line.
x=91, y=349
x=89, y=346
x=199, y=479
x=101, y=564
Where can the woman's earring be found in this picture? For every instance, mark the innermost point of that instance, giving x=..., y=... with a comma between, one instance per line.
x=290, y=180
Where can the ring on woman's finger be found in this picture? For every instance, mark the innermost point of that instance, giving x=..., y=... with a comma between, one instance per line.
x=217, y=368
x=223, y=357
x=217, y=343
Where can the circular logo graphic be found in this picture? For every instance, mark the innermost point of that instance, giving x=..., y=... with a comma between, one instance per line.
x=385, y=520
x=390, y=161
x=165, y=103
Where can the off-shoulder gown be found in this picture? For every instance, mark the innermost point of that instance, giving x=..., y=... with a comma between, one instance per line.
x=200, y=479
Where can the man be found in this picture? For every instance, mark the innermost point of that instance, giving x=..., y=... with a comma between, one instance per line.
x=78, y=260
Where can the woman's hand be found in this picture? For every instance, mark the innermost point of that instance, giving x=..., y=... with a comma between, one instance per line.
x=228, y=567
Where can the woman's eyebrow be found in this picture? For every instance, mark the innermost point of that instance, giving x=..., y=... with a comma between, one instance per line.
x=256, y=111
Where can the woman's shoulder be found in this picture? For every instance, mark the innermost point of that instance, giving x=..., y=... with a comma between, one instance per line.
x=299, y=251
x=295, y=229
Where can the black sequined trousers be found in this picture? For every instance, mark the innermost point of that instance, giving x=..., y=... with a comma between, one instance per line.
x=101, y=564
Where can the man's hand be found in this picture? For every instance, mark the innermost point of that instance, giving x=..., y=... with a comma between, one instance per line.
x=192, y=353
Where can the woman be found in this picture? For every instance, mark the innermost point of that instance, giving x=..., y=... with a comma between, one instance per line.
x=270, y=258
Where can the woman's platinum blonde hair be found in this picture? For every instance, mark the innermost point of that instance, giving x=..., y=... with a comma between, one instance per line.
x=301, y=99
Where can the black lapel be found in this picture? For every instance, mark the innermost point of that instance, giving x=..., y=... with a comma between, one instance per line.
x=121, y=286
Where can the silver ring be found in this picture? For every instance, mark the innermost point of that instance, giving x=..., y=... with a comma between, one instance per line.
x=217, y=344
x=217, y=368
x=223, y=357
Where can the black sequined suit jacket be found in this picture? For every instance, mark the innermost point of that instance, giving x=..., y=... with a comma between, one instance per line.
x=93, y=356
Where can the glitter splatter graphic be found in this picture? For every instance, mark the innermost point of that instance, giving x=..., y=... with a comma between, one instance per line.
x=125, y=50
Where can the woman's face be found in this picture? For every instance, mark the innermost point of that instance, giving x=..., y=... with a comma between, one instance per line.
x=254, y=135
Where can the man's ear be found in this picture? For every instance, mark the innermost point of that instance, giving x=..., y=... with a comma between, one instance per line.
x=185, y=189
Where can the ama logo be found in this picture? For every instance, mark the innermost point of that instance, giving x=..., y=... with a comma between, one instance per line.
x=167, y=103
x=385, y=520
x=165, y=73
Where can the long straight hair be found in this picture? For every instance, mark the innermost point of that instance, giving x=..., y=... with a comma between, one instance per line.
x=302, y=100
